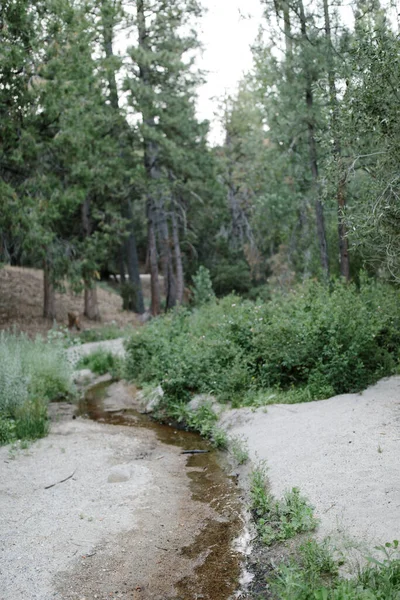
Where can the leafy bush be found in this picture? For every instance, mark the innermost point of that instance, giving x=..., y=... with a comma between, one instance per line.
x=31, y=374
x=231, y=275
x=202, y=291
x=313, y=343
x=203, y=420
x=276, y=520
x=100, y=362
x=107, y=332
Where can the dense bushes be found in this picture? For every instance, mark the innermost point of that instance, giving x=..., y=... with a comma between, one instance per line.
x=315, y=342
x=31, y=374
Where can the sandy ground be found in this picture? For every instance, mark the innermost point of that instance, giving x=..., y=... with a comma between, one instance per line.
x=343, y=454
x=114, y=529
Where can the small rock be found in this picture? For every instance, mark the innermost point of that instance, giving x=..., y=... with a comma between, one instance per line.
x=153, y=399
x=83, y=377
x=200, y=400
x=119, y=475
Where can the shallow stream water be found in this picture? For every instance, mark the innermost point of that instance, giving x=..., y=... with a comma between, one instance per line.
x=217, y=575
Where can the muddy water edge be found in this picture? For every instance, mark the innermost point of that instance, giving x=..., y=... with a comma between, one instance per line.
x=218, y=565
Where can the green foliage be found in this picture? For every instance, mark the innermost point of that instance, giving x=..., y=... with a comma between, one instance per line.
x=101, y=362
x=31, y=374
x=238, y=448
x=31, y=420
x=313, y=574
x=313, y=343
x=105, y=332
x=203, y=420
x=7, y=431
x=275, y=520
x=203, y=290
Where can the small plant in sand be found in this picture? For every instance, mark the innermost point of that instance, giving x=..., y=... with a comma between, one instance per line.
x=278, y=520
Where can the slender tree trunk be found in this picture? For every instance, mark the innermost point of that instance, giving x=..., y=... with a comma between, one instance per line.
x=166, y=259
x=133, y=263
x=49, y=298
x=91, y=310
x=319, y=211
x=180, y=284
x=150, y=160
x=91, y=307
x=121, y=262
x=108, y=22
x=241, y=231
x=337, y=150
x=154, y=282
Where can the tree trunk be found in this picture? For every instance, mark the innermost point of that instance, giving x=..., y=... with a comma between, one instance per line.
x=341, y=195
x=133, y=264
x=154, y=282
x=319, y=211
x=121, y=262
x=180, y=284
x=49, y=298
x=150, y=159
x=108, y=22
x=166, y=259
x=91, y=309
x=241, y=231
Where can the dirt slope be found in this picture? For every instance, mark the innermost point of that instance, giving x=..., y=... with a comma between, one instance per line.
x=21, y=303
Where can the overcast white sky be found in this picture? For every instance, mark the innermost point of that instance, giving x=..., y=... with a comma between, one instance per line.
x=226, y=36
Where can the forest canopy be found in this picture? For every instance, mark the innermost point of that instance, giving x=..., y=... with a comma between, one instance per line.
x=105, y=165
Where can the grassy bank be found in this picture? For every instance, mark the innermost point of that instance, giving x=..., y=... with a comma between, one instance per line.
x=289, y=565
x=32, y=372
x=313, y=343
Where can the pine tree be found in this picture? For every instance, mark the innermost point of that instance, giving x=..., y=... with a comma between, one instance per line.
x=162, y=91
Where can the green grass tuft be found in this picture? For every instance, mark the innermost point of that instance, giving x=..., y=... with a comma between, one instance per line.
x=32, y=373
x=278, y=520
x=101, y=362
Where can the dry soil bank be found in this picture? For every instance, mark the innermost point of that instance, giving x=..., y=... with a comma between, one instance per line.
x=343, y=454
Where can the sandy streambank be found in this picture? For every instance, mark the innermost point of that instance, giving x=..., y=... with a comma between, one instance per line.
x=114, y=529
x=343, y=454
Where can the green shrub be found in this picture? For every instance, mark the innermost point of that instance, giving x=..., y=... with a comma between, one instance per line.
x=111, y=331
x=313, y=574
x=31, y=421
x=313, y=343
x=100, y=362
x=203, y=421
x=7, y=431
x=203, y=290
x=32, y=372
x=231, y=276
x=278, y=520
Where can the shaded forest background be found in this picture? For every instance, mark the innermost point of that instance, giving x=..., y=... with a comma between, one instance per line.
x=106, y=168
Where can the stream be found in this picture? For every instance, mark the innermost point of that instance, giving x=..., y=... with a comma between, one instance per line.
x=215, y=550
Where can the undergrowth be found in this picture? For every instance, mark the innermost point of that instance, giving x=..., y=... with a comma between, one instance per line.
x=278, y=520
x=203, y=421
x=32, y=372
x=101, y=362
x=313, y=575
x=110, y=331
x=312, y=343
x=310, y=571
